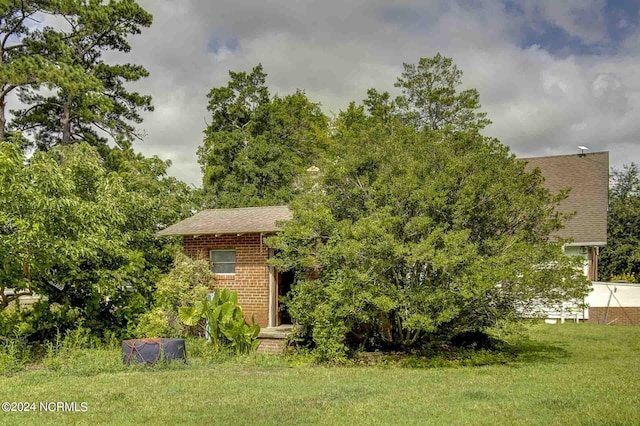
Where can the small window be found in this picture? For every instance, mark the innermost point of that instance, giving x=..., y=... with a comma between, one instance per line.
x=223, y=261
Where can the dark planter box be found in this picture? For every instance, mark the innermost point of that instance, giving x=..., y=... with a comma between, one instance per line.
x=151, y=351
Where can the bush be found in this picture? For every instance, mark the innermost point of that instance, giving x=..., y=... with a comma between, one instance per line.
x=159, y=322
x=188, y=282
x=14, y=354
x=625, y=276
x=14, y=322
x=418, y=236
x=225, y=323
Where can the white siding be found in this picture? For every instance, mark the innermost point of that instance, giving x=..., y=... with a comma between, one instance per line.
x=579, y=251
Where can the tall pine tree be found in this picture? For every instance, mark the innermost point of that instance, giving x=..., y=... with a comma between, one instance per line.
x=85, y=97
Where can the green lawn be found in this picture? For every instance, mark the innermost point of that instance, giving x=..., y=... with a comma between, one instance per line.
x=570, y=374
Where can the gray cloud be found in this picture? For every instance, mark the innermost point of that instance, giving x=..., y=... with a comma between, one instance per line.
x=540, y=103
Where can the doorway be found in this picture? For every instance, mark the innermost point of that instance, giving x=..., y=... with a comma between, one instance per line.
x=285, y=280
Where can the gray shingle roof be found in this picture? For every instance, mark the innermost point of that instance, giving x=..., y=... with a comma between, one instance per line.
x=588, y=177
x=231, y=221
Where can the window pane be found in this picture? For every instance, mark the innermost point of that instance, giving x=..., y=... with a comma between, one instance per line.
x=223, y=261
x=224, y=256
x=224, y=268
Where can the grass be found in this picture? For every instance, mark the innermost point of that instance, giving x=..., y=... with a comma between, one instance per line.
x=563, y=374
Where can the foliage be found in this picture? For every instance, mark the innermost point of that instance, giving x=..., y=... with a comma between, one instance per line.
x=13, y=322
x=79, y=223
x=20, y=65
x=410, y=236
x=187, y=283
x=430, y=98
x=256, y=147
x=83, y=236
x=158, y=322
x=226, y=326
x=13, y=355
x=621, y=255
x=625, y=276
x=85, y=96
x=41, y=321
x=532, y=389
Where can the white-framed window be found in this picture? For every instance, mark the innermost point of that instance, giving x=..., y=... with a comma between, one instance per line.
x=223, y=261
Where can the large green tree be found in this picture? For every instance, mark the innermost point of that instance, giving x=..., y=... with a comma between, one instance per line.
x=621, y=255
x=257, y=147
x=418, y=235
x=82, y=235
x=69, y=91
x=78, y=224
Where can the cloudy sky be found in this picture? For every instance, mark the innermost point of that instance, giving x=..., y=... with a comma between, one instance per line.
x=552, y=74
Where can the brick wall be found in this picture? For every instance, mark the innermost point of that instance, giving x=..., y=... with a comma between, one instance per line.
x=271, y=346
x=624, y=316
x=251, y=279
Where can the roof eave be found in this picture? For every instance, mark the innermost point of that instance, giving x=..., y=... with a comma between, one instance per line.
x=197, y=234
x=587, y=244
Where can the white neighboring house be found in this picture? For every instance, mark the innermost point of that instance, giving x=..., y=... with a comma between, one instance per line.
x=587, y=176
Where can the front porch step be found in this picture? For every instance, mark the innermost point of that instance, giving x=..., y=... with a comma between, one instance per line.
x=274, y=339
x=279, y=332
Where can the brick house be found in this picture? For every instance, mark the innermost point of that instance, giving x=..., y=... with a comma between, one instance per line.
x=233, y=241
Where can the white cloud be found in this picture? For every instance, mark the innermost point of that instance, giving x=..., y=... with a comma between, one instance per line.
x=540, y=103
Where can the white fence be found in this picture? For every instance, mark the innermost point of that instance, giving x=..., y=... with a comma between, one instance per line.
x=602, y=295
x=621, y=295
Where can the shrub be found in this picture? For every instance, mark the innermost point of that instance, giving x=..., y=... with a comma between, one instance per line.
x=625, y=276
x=329, y=338
x=187, y=282
x=14, y=354
x=13, y=322
x=417, y=235
x=225, y=323
x=159, y=322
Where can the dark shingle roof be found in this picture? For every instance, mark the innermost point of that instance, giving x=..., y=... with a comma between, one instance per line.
x=231, y=221
x=588, y=177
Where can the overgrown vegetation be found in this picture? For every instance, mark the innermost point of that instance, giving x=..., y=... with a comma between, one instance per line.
x=415, y=231
x=257, y=146
x=78, y=215
x=186, y=284
x=413, y=234
x=563, y=374
x=225, y=324
x=82, y=237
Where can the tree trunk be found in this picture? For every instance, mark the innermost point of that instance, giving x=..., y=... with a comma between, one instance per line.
x=3, y=119
x=66, y=124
